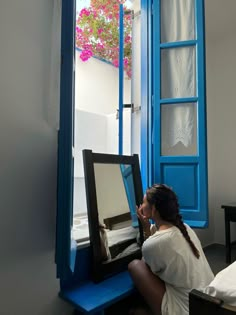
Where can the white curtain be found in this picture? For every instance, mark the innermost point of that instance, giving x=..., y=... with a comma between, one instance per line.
x=178, y=124
x=53, y=111
x=177, y=20
x=178, y=72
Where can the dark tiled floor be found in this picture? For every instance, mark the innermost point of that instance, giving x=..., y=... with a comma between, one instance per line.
x=215, y=254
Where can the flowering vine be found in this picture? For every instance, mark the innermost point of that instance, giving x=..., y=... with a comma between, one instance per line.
x=97, y=32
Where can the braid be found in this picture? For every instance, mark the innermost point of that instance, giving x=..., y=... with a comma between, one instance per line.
x=166, y=202
x=180, y=225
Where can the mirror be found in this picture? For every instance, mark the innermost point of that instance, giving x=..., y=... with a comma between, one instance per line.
x=113, y=189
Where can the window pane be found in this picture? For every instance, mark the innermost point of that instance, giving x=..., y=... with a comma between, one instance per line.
x=179, y=129
x=177, y=20
x=178, y=72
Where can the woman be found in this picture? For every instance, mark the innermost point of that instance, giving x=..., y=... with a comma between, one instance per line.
x=173, y=261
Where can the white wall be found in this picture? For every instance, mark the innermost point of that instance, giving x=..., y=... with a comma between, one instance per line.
x=96, y=125
x=28, y=163
x=97, y=132
x=97, y=86
x=221, y=111
x=221, y=69
x=90, y=132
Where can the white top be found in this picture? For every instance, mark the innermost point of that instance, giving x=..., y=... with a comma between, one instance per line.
x=170, y=257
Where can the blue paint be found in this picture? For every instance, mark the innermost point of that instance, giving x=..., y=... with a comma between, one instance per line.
x=90, y=298
x=65, y=141
x=197, y=223
x=201, y=79
x=179, y=44
x=171, y=174
x=83, y=269
x=178, y=100
x=146, y=92
x=187, y=174
x=156, y=153
x=121, y=77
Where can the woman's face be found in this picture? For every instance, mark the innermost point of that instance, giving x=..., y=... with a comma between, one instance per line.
x=146, y=208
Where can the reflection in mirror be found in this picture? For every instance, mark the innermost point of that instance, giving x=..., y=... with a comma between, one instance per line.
x=116, y=204
x=113, y=189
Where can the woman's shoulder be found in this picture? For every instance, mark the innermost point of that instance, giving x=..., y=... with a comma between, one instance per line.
x=160, y=236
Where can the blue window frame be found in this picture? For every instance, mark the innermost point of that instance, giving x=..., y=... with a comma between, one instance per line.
x=64, y=253
x=154, y=166
x=65, y=246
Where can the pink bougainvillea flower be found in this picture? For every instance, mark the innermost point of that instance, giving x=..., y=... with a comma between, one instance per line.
x=99, y=46
x=100, y=30
x=87, y=47
x=116, y=63
x=129, y=73
x=97, y=32
x=127, y=39
x=85, y=55
x=126, y=61
x=95, y=14
x=84, y=12
x=78, y=30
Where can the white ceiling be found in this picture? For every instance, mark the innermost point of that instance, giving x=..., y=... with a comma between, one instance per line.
x=220, y=18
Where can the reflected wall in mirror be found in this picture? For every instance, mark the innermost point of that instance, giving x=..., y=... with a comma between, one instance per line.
x=113, y=189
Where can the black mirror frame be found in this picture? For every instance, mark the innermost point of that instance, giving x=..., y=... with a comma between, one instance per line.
x=101, y=269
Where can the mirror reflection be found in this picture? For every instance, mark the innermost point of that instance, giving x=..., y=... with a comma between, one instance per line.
x=118, y=224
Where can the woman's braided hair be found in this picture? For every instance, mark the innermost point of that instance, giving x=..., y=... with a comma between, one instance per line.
x=166, y=202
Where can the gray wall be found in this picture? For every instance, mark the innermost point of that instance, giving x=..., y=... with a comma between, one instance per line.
x=221, y=104
x=28, y=283
x=221, y=111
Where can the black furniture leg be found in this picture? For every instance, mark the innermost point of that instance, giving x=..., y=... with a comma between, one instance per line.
x=227, y=240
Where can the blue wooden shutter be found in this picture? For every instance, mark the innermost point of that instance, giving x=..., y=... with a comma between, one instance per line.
x=65, y=246
x=186, y=169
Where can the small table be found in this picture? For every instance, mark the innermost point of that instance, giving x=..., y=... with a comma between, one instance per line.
x=230, y=215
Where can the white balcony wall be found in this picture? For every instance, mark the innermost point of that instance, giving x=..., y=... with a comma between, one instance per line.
x=97, y=86
x=99, y=133
x=96, y=123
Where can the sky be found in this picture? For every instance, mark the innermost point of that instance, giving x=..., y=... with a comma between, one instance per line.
x=80, y=4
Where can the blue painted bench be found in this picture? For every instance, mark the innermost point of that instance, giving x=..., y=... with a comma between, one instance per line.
x=94, y=298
